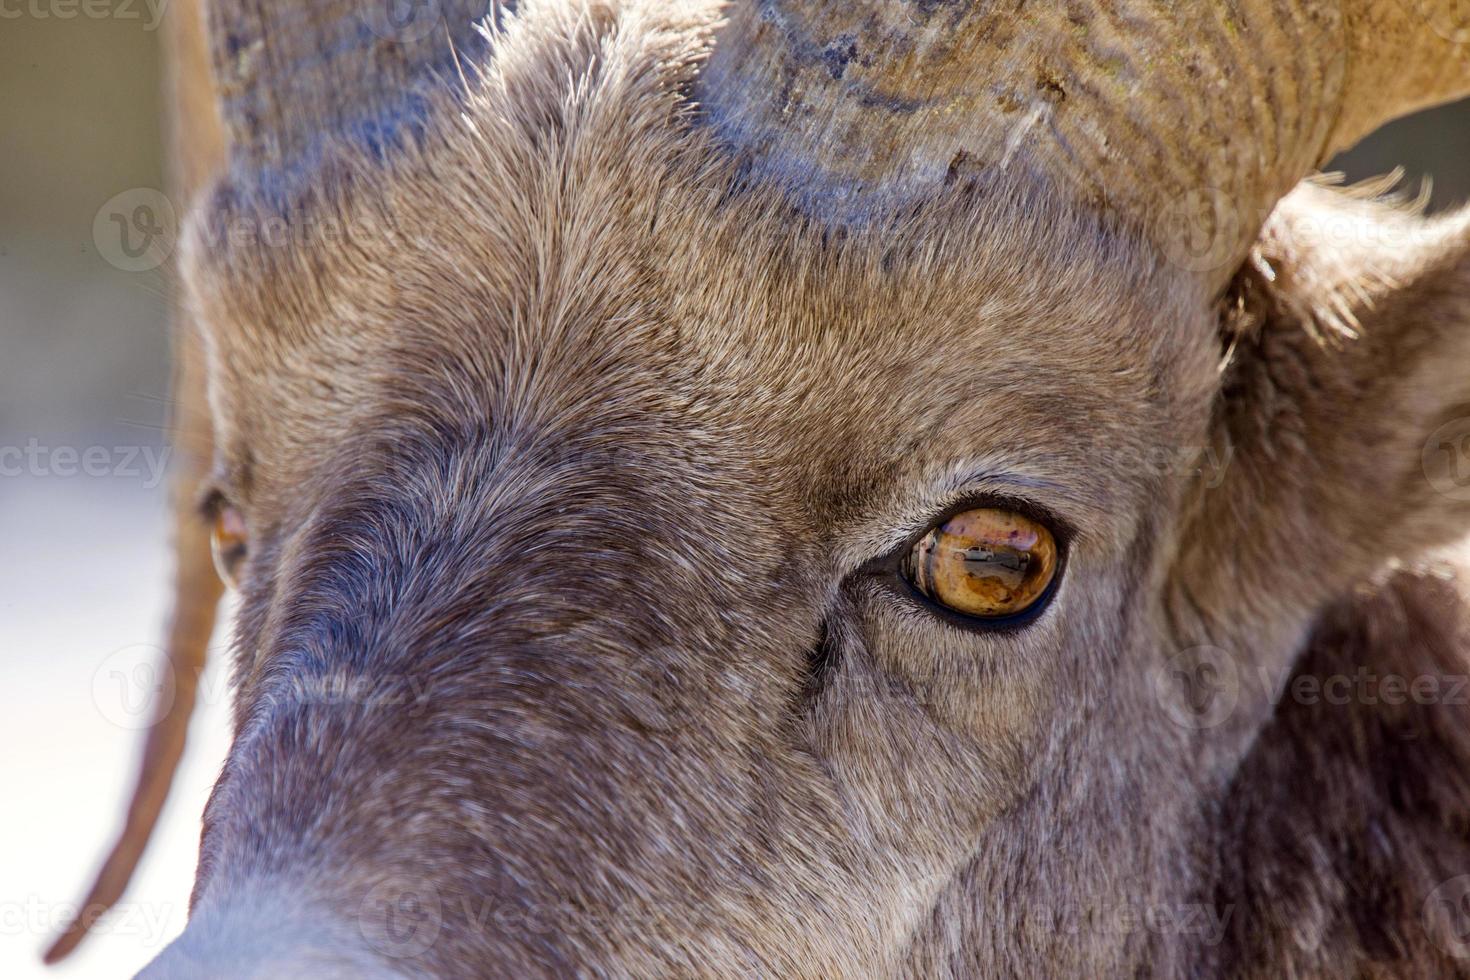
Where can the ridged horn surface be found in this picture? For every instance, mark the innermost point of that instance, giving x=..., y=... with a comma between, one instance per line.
x=1190, y=119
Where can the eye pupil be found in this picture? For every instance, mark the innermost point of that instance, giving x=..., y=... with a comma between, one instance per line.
x=989, y=563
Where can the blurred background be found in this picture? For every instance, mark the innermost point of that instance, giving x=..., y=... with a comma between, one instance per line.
x=84, y=379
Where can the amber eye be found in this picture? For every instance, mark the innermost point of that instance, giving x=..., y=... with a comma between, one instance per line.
x=227, y=542
x=987, y=563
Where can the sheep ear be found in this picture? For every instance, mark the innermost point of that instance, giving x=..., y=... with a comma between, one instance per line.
x=1344, y=412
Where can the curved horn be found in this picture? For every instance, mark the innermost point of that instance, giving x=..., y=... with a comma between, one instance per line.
x=288, y=79
x=292, y=74
x=1138, y=106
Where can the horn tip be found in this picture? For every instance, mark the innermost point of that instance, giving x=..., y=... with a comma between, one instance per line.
x=64, y=944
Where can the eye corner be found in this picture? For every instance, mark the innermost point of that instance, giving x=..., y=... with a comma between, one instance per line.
x=208, y=503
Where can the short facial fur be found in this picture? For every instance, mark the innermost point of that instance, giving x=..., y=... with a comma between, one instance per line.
x=570, y=447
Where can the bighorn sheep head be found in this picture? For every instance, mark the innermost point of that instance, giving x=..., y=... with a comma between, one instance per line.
x=821, y=490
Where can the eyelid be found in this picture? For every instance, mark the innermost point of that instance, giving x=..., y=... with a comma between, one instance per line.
x=1028, y=485
x=899, y=587
x=1061, y=530
x=211, y=500
x=874, y=538
x=217, y=491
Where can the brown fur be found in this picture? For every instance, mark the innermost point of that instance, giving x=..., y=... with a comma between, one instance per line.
x=1346, y=817
x=569, y=453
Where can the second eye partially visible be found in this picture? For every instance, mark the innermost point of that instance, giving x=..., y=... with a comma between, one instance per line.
x=229, y=539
